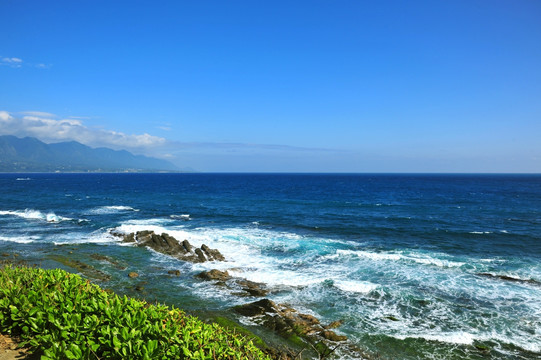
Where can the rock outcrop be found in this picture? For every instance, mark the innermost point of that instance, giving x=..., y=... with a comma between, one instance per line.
x=214, y=275
x=290, y=324
x=510, y=278
x=168, y=245
x=242, y=286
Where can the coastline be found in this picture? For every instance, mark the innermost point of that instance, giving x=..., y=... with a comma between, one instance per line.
x=289, y=343
x=279, y=330
x=379, y=252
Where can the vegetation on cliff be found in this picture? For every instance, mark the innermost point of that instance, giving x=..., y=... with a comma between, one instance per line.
x=67, y=317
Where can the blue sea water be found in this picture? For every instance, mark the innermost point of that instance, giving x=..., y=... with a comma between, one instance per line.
x=417, y=266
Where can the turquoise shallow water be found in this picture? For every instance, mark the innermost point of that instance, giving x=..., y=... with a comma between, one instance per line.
x=417, y=266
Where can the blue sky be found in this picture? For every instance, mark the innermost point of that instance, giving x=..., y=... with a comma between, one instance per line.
x=318, y=86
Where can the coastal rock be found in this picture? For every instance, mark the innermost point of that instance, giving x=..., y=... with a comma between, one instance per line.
x=257, y=308
x=249, y=288
x=312, y=320
x=174, y=272
x=200, y=255
x=125, y=237
x=168, y=245
x=253, y=288
x=108, y=259
x=293, y=326
x=187, y=246
x=510, y=278
x=212, y=254
x=334, y=324
x=332, y=336
x=133, y=274
x=85, y=269
x=214, y=275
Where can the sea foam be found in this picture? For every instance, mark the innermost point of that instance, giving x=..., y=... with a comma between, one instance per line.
x=31, y=214
x=103, y=210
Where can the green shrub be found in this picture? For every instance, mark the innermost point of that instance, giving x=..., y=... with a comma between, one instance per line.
x=67, y=317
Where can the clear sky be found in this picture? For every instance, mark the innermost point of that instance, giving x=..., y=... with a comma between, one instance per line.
x=319, y=86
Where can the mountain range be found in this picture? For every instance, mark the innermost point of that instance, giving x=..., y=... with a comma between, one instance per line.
x=32, y=155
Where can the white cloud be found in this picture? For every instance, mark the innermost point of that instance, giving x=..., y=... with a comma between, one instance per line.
x=39, y=113
x=11, y=61
x=4, y=116
x=16, y=62
x=47, y=127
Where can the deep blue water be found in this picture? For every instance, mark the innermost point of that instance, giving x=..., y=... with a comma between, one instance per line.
x=397, y=257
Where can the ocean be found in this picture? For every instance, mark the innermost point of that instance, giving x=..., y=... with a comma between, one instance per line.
x=416, y=266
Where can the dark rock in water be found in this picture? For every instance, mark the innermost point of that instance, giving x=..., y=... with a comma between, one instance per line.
x=257, y=308
x=249, y=288
x=214, y=275
x=332, y=336
x=312, y=320
x=510, y=278
x=125, y=237
x=187, y=246
x=133, y=274
x=200, y=255
x=144, y=233
x=295, y=327
x=139, y=288
x=277, y=324
x=174, y=272
x=168, y=245
x=253, y=288
x=108, y=259
x=212, y=254
x=85, y=269
x=171, y=241
x=334, y=324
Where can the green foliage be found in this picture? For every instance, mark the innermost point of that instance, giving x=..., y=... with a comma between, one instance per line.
x=67, y=317
x=233, y=326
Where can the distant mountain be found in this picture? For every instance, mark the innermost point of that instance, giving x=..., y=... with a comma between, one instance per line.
x=32, y=155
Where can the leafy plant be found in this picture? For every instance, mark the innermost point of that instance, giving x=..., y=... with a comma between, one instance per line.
x=67, y=317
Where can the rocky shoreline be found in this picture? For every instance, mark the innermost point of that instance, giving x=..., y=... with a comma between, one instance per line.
x=301, y=331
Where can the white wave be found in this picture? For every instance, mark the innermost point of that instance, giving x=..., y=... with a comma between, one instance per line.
x=23, y=179
x=181, y=217
x=156, y=225
x=362, y=287
x=435, y=261
x=250, y=249
x=101, y=237
x=31, y=214
x=52, y=217
x=102, y=210
x=459, y=337
x=19, y=239
x=466, y=338
x=26, y=214
x=370, y=255
x=399, y=256
x=480, y=232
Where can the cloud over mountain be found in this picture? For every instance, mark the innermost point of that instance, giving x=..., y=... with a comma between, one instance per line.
x=48, y=127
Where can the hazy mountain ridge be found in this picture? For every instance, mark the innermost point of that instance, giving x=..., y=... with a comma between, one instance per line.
x=32, y=155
